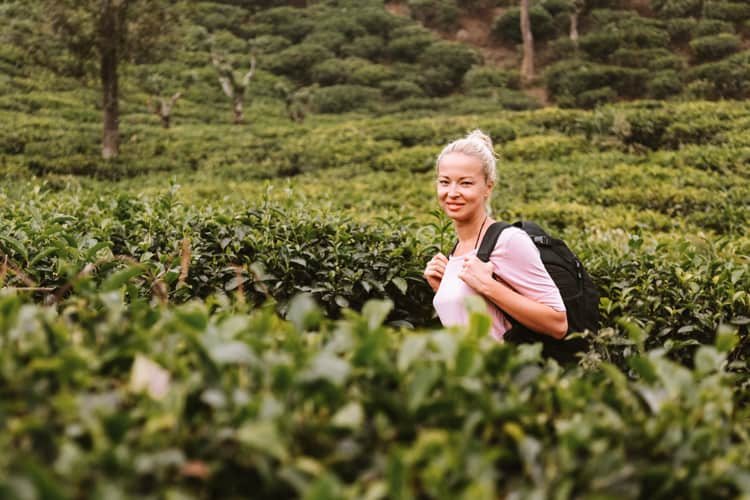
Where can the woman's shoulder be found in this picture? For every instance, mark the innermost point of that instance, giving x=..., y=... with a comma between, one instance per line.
x=509, y=234
x=512, y=239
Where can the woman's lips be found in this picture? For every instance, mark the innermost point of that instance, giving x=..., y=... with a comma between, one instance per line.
x=453, y=206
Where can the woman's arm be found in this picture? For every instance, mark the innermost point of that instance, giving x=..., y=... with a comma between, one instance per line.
x=533, y=315
x=522, y=269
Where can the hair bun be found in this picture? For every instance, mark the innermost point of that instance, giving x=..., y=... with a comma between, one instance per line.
x=478, y=135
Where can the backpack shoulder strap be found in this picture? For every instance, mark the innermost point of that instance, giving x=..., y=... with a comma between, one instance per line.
x=490, y=240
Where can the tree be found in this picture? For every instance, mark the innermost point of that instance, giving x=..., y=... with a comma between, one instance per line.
x=577, y=7
x=164, y=108
x=527, y=63
x=233, y=87
x=110, y=31
x=297, y=101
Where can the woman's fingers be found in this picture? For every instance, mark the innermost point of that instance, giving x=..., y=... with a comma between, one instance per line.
x=435, y=270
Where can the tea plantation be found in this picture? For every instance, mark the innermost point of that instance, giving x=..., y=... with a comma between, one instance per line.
x=232, y=311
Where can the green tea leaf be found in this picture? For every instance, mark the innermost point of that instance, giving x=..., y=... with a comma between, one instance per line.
x=263, y=437
x=115, y=280
x=350, y=416
x=411, y=349
x=15, y=245
x=400, y=284
x=424, y=379
x=375, y=311
x=726, y=338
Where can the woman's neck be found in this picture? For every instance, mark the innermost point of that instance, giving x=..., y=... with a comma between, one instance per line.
x=468, y=231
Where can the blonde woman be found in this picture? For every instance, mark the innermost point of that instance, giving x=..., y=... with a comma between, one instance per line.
x=514, y=282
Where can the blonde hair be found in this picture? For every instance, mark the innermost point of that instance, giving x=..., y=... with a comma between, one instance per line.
x=478, y=145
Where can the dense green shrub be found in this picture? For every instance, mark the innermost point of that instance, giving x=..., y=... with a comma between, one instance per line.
x=335, y=71
x=636, y=58
x=269, y=44
x=209, y=399
x=507, y=26
x=593, y=98
x=701, y=90
x=699, y=130
x=408, y=44
x=289, y=22
x=414, y=159
x=371, y=74
x=444, y=66
x=668, y=62
x=664, y=84
x=342, y=98
x=215, y=16
x=371, y=47
x=440, y=14
x=400, y=89
x=602, y=17
x=677, y=8
x=331, y=40
x=297, y=60
x=350, y=70
x=378, y=21
x=711, y=48
x=599, y=45
x=708, y=27
x=555, y=7
x=733, y=12
x=728, y=78
x=681, y=29
x=335, y=21
x=562, y=48
x=483, y=77
x=546, y=147
x=568, y=80
x=227, y=43
x=630, y=33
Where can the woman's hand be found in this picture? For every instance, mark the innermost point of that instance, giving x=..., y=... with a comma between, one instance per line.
x=477, y=274
x=534, y=315
x=433, y=273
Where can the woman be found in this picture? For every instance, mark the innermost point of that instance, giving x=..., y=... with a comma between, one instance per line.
x=524, y=290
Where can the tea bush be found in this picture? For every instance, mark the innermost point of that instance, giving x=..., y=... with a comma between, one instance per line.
x=214, y=401
x=709, y=27
x=507, y=27
x=291, y=23
x=297, y=61
x=726, y=10
x=664, y=85
x=342, y=98
x=725, y=79
x=480, y=78
x=710, y=48
x=440, y=14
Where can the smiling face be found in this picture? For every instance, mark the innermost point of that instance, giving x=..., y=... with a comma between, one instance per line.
x=462, y=187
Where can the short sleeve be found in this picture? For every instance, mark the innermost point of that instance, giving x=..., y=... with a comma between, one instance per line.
x=517, y=262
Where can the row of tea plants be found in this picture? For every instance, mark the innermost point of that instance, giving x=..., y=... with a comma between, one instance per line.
x=108, y=398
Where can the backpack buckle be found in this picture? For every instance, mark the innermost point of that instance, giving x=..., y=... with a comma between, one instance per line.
x=542, y=240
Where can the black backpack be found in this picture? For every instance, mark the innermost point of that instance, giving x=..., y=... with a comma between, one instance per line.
x=576, y=288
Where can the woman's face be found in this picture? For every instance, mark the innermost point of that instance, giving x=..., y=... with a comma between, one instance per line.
x=461, y=186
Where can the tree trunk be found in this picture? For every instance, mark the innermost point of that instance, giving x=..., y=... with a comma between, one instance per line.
x=238, y=101
x=527, y=64
x=574, y=27
x=110, y=36
x=239, y=116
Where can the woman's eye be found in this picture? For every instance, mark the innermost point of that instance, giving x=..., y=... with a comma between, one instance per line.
x=467, y=183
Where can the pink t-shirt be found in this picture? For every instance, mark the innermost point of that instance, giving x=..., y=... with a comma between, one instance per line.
x=516, y=261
